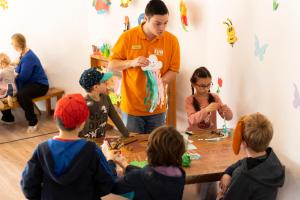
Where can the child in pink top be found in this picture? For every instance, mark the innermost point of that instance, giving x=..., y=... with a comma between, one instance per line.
x=202, y=105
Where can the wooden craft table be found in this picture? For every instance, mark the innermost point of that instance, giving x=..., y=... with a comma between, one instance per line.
x=215, y=157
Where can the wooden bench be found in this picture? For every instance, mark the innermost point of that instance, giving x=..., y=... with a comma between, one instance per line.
x=52, y=92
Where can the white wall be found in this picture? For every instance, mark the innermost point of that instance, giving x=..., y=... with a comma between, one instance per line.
x=56, y=31
x=62, y=34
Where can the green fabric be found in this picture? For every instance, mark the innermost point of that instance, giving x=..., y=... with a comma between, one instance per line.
x=186, y=160
x=140, y=164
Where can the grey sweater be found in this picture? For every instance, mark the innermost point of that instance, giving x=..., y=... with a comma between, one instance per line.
x=99, y=113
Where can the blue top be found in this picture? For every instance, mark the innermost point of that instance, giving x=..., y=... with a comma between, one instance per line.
x=30, y=70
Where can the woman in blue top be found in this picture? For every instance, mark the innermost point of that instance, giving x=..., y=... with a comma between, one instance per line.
x=31, y=82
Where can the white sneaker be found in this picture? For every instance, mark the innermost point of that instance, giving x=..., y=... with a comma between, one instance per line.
x=32, y=129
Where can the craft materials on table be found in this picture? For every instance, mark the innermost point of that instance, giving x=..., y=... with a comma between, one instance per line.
x=186, y=160
x=140, y=164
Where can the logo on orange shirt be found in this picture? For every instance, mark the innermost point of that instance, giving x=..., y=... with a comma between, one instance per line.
x=136, y=46
x=158, y=52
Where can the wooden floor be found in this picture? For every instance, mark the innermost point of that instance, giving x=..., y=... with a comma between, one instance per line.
x=15, y=150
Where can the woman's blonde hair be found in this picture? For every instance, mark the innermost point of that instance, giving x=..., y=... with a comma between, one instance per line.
x=4, y=60
x=20, y=40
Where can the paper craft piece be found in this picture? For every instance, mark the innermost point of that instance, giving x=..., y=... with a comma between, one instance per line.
x=155, y=64
x=183, y=15
x=275, y=5
x=296, y=102
x=141, y=18
x=115, y=99
x=101, y=6
x=186, y=160
x=140, y=164
x=105, y=49
x=3, y=4
x=191, y=147
x=125, y=3
x=260, y=50
x=220, y=83
x=224, y=126
x=194, y=156
x=126, y=23
x=231, y=38
x=155, y=91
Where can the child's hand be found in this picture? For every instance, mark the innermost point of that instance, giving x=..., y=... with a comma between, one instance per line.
x=140, y=61
x=113, y=155
x=212, y=107
x=224, y=109
x=109, y=154
x=224, y=183
x=121, y=161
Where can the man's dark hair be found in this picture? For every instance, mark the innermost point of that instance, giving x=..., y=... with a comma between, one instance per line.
x=156, y=7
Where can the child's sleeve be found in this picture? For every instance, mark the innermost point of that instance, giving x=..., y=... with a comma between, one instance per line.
x=126, y=185
x=193, y=116
x=228, y=115
x=239, y=188
x=32, y=176
x=105, y=175
x=114, y=116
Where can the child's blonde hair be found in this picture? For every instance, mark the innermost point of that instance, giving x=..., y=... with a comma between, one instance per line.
x=20, y=40
x=258, y=132
x=4, y=60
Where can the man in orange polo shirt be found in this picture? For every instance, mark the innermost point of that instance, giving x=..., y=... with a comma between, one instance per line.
x=130, y=53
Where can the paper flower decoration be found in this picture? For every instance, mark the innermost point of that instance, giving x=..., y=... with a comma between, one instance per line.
x=220, y=83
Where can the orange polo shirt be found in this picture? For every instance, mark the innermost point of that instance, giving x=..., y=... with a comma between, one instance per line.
x=132, y=44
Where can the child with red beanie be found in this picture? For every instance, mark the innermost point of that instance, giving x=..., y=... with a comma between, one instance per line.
x=66, y=166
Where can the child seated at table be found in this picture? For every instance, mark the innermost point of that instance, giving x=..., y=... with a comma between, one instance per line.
x=202, y=105
x=260, y=174
x=163, y=178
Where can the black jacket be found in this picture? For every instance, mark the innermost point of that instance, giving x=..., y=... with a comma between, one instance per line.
x=147, y=184
x=258, y=183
